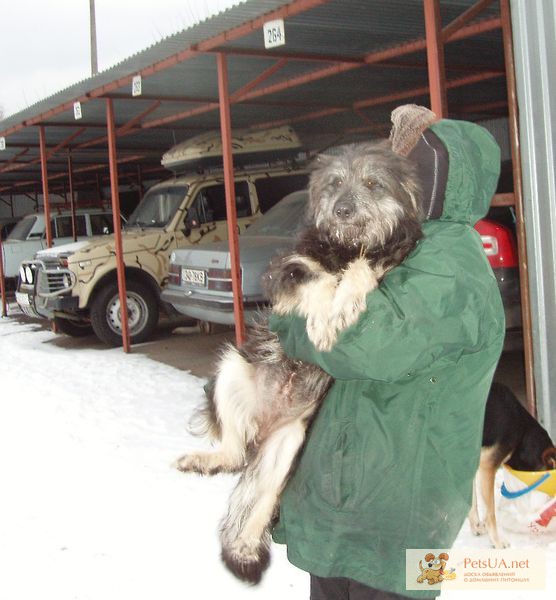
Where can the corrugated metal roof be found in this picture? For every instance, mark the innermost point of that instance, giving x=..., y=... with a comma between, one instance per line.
x=336, y=32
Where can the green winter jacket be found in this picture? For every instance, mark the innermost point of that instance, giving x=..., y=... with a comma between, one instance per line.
x=390, y=459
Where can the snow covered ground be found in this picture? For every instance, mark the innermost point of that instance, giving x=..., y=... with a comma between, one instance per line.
x=89, y=506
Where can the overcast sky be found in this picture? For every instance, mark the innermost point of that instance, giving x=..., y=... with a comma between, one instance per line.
x=44, y=44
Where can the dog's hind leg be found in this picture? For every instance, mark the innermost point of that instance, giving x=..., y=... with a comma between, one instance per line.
x=235, y=406
x=245, y=533
x=477, y=526
x=491, y=459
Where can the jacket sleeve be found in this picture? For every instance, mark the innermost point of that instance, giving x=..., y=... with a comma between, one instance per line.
x=412, y=320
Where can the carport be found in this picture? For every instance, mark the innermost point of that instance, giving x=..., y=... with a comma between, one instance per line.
x=344, y=65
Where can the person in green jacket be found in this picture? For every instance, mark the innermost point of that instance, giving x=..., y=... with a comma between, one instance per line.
x=390, y=459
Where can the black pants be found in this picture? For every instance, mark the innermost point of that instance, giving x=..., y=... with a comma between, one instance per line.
x=340, y=588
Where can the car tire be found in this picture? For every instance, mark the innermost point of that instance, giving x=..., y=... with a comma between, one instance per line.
x=206, y=327
x=142, y=306
x=73, y=328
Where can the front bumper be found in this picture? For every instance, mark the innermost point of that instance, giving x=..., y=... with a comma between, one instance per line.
x=48, y=292
x=43, y=308
x=214, y=310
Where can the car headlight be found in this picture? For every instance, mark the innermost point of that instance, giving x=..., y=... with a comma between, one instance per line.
x=66, y=281
x=22, y=275
x=29, y=274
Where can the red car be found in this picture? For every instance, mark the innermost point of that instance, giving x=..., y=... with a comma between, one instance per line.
x=497, y=233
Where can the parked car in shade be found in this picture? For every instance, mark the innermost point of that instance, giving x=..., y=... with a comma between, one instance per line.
x=200, y=284
x=6, y=225
x=76, y=285
x=29, y=235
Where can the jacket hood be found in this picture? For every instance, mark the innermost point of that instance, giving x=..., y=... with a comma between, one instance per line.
x=459, y=165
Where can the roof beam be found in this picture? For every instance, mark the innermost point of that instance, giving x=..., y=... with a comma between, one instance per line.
x=379, y=100
x=49, y=154
x=464, y=18
x=290, y=10
x=266, y=74
x=374, y=57
x=122, y=129
x=371, y=58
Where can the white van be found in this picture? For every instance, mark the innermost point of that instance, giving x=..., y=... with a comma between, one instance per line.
x=29, y=235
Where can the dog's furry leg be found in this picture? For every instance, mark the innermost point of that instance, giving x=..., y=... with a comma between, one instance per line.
x=312, y=298
x=245, y=533
x=477, y=526
x=235, y=399
x=350, y=298
x=491, y=459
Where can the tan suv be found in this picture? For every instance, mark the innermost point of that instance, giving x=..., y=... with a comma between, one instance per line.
x=76, y=284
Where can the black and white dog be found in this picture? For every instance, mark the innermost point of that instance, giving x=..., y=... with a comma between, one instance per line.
x=363, y=219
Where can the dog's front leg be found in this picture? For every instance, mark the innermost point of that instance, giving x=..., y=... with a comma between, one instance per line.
x=349, y=299
x=245, y=533
x=236, y=399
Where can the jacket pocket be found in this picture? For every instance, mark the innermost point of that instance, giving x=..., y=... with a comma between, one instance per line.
x=345, y=481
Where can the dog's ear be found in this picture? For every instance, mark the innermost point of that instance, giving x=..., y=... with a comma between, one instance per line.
x=444, y=556
x=429, y=556
x=321, y=161
x=549, y=458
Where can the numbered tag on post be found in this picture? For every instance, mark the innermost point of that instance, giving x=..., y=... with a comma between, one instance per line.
x=2, y=143
x=136, y=86
x=77, y=114
x=274, y=33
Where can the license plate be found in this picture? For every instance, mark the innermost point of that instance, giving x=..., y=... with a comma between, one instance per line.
x=22, y=299
x=193, y=276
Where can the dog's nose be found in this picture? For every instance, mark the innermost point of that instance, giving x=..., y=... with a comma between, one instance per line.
x=343, y=209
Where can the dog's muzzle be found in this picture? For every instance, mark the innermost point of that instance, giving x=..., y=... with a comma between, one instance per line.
x=344, y=209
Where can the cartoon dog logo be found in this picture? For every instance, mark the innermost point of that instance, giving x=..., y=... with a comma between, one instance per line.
x=434, y=570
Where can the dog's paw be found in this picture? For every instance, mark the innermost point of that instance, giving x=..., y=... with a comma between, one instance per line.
x=247, y=559
x=477, y=527
x=500, y=544
x=206, y=463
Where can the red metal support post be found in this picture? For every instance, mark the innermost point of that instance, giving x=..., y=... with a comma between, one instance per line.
x=229, y=184
x=72, y=197
x=513, y=120
x=435, y=58
x=44, y=176
x=2, y=281
x=117, y=222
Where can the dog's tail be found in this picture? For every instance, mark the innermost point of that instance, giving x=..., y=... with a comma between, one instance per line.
x=204, y=421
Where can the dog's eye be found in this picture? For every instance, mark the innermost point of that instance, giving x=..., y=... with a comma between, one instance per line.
x=370, y=183
x=337, y=182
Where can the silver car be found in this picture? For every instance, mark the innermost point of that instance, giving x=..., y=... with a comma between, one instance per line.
x=200, y=281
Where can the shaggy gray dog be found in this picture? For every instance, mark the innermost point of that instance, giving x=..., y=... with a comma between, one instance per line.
x=363, y=219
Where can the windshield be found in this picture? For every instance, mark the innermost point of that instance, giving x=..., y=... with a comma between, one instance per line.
x=284, y=219
x=157, y=207
x=22, y=229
